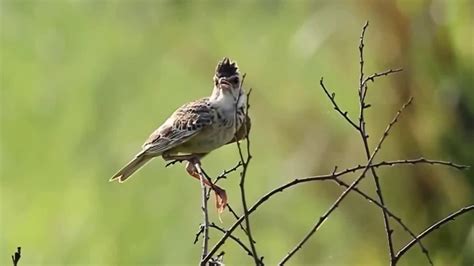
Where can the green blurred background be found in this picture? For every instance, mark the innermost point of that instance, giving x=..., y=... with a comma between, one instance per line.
x=83, y=83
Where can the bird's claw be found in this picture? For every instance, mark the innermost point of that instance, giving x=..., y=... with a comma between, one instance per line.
x=173, y=162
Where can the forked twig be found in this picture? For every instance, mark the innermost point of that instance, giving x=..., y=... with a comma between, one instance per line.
x=335, y=176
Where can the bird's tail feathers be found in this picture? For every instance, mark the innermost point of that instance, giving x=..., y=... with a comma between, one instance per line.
x=131, y=167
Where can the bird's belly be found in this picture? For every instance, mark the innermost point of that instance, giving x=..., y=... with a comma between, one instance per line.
x=207, y=140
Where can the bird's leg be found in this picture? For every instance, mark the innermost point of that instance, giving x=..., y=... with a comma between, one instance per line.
x=193, y=159
x=221, y=196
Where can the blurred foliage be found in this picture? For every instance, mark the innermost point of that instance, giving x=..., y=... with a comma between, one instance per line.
x=83, y=83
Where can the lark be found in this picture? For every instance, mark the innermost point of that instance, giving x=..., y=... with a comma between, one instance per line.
x=199, y=127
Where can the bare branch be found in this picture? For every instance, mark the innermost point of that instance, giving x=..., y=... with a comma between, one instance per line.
x=361, y=58
x=332, y=97
x=423, y=160
x=432, y=228
x=346, y=192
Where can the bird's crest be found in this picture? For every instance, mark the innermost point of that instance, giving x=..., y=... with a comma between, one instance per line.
x=226, y=68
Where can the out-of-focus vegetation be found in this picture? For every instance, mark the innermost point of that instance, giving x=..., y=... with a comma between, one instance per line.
x=83, y=83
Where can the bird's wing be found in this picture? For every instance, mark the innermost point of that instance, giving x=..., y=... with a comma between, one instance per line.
x=182, y=125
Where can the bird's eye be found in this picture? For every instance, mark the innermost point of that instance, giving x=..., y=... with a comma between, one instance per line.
x=234, y=80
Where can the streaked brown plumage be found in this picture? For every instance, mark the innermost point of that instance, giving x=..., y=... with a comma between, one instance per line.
x=199, y=127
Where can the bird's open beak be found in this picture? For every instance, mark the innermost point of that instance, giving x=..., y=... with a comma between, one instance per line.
x=224, y=85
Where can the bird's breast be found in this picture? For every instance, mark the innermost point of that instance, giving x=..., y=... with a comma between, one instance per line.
x=220, y=132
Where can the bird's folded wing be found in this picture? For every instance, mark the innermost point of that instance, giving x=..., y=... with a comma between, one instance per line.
x=243, y=131
x=183, y=124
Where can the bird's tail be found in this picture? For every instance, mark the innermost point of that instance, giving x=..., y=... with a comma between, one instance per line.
x=131, y=167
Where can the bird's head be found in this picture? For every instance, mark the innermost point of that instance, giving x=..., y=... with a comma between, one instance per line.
x=227, y=79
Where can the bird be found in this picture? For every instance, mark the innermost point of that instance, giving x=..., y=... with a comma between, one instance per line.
x=197, y=128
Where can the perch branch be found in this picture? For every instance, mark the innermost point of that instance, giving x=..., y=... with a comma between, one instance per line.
x=205, y=225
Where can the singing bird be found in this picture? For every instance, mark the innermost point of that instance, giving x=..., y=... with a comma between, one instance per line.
x=199, y=127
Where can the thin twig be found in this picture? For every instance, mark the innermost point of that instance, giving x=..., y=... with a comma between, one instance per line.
x=236, y=239
x=198, y=234
x=332, y=97
x=361, y=58
x=205, y=225
x=364, y=137
x=16, y=256
x=432, y=228
x=380, y=74
x=346, y=192
x=224, y=173
x=423, y=160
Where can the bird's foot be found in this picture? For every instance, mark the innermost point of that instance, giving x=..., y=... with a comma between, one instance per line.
x=220, y=194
